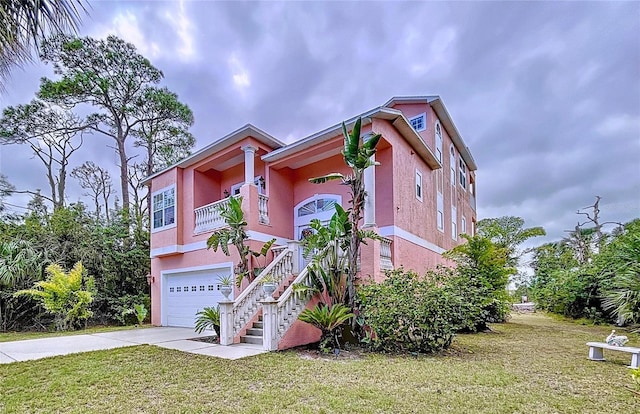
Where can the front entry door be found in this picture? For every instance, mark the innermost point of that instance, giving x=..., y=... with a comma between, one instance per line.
x=321, y=207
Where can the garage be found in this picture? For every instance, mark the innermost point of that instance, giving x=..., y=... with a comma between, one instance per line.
x=188, y=292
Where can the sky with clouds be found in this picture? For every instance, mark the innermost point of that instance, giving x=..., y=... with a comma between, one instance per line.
x=545, y=94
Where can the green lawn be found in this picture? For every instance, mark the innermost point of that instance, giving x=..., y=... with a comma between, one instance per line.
x=533, y=364
x=19, y=336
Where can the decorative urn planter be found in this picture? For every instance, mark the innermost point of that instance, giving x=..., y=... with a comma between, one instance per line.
x=226, y=290
x=268, y=288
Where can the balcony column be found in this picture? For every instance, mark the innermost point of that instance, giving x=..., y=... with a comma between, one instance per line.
x=249, y=170
x=370, y=195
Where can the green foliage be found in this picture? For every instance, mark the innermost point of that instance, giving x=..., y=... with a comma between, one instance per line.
x=327, y=318
x=620, y=263
x=508, y=232
x=236, y=234
x=605, y=287
x=138, y=310
x=208, y=318
x=408, y=313
x=485, y=267
x=329, y=265
x=357, y=155
x=23, y=24
x=117, y=259
x=65, y=295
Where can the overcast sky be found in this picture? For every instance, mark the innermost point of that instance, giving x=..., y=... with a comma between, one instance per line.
x=545, y=94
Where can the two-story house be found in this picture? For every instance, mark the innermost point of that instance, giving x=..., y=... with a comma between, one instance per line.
x=420, y=198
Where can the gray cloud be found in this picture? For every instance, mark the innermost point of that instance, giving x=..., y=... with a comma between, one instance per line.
x=546, y=95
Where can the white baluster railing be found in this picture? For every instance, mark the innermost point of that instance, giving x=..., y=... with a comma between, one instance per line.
x=290, y=304
x=247, y=303
x=208, y=217
x=385, y=254
x=263, y=212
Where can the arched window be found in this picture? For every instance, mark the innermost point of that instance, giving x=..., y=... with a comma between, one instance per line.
x=320, y=203
x=438, y=142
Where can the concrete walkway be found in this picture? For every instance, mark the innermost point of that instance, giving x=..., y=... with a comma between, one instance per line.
x=164, y=337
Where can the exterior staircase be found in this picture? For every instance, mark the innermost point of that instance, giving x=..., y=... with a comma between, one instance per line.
x=254, y=334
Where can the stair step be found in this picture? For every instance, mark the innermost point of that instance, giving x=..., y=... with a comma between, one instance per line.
x=249, y=339
x=258, y=325
x=254, y=332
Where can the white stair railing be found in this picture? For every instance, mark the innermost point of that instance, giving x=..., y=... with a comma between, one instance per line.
x=247, y=303
x=290, y=304
x=208, y=217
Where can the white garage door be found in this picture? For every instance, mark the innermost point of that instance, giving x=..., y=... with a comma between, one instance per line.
x=190, y=292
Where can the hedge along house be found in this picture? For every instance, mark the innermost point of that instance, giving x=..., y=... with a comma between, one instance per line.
x=420, y=198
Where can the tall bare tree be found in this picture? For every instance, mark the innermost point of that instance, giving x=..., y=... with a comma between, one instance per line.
x=52, y=133
x=115, y=80
x=97, y=181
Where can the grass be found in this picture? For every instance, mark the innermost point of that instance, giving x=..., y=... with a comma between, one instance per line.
x=533, y=364
x=19, y=336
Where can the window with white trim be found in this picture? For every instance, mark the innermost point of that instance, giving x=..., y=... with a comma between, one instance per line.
x=440, y=212
x=419, y=123
x=452, y=165
x=463, y=225
x=418, y=185
x=454, y=223
x=438, y=141
x=463, y=173
x=164, y=208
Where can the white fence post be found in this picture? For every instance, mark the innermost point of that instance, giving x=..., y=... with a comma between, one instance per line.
x=269, y=325
x=294, y=246
x=226, y=322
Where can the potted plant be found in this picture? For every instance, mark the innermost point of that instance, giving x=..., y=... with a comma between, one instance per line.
x=269, y=285
x=225, y=285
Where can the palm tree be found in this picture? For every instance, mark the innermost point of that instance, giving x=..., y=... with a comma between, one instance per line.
x=24, y=23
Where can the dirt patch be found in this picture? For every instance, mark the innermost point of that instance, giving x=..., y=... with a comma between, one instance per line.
x=208, y=339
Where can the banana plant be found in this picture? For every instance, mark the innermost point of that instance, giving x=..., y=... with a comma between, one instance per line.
x=235, y=233
x=357, y=155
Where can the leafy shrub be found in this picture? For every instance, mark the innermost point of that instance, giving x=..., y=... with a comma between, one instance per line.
x=328, y=319
x=208, y=318
x=122, y=309
x=64, y=295
x=408, y=313
x=138, y=310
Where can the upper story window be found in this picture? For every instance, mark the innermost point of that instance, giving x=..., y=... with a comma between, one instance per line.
x=439, y=142
x=463, y=173
x=454, y=223
x=419, y=123
x=418, y=185
x=452, y=164
x=164, y=208
x=440, y=212
x=463, y=225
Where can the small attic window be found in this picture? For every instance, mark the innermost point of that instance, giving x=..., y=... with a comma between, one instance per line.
x=419, y=123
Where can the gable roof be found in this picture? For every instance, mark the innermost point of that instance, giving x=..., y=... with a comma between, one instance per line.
x=445, y=119
x=397, y=119
x=238, y=135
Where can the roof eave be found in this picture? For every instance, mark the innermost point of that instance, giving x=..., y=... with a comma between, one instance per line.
x=231, y=138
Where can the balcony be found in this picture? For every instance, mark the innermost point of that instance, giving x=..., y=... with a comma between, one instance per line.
x=208, y=218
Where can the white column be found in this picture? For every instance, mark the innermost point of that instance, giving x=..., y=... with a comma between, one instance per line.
x=226, y=322
x=370, y=197
x=249, y=155
x=269, y=324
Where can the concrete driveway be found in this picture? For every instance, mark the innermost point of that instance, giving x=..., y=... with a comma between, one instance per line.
x=164, y=337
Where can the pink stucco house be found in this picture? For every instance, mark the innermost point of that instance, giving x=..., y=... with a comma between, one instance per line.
x=420, y=198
